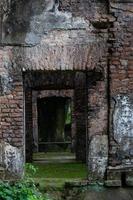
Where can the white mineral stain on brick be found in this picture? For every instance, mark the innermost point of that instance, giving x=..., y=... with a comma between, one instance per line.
x=11, y=158
x=123, y=120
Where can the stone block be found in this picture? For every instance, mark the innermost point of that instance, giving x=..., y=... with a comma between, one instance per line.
x=113, y=179
x=129, y=178
x=11, y=160
x=113, y=183
x=98, y=155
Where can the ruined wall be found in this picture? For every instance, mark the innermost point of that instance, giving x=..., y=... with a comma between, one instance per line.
x=55, y=35
x=121, y=92
x=81, y=35
x=98, y=123
x=25, y=22
x=11, y=114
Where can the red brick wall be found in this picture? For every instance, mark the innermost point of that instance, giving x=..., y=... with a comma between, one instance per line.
x=121, y=90
x=11, y=101
x=11, y=129
x=121, y=61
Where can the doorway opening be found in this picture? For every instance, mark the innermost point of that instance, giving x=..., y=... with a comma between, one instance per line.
x=54, y=124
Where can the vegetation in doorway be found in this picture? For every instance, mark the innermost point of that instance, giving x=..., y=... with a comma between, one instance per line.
x=52, y=178
x=61, y=170
x=57, y=174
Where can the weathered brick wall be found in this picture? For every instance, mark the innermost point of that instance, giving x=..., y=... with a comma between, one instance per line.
x=121, y=90
x=90, y=9
x=11, y=101
x=11, y=114
x=98, y=123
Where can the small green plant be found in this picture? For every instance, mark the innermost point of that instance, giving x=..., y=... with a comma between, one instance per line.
x=19, y=191
x=25, y=189
x=30, y=170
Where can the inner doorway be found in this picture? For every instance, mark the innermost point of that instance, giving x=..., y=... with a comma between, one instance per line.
x=54, y=124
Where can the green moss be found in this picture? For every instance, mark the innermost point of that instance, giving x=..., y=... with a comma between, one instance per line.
x=56, y=175
x=61, y=170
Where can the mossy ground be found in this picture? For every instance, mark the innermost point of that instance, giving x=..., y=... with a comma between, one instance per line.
x=57, y=174
x=51, y=177
x=61, y=170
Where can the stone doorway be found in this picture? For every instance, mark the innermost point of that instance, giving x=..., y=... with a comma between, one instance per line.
x=66, y=86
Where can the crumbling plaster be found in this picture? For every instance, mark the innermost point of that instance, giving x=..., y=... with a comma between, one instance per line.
x=25, y=22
